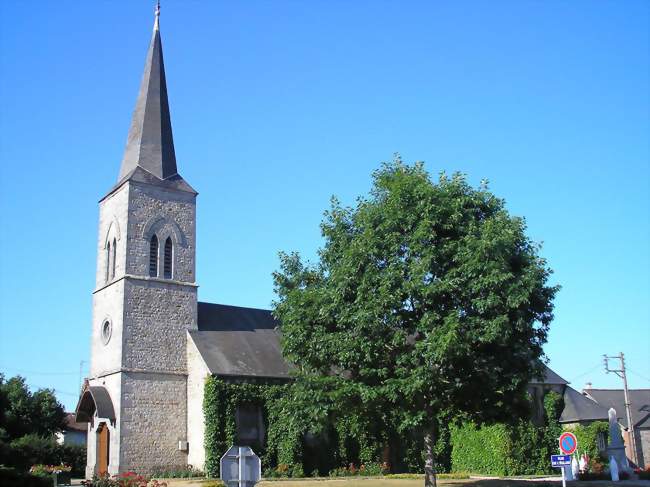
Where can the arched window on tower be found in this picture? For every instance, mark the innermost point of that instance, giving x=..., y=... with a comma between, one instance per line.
x=153, y=257
x=113, y=259
x=169, y=253
x=108, y=261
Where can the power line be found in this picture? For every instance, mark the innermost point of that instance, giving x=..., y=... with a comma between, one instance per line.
x=58, y=391
x=585, y=373
x=638, y=375
x=32, y=372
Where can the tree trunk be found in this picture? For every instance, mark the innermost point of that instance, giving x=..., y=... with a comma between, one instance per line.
x=429, y=464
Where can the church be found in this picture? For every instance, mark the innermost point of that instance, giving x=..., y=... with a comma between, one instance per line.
x=153, y=343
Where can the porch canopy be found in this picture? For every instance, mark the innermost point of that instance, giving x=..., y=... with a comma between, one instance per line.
x=94, y=398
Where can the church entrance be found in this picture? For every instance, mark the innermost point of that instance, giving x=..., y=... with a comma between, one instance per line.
x=103, y=449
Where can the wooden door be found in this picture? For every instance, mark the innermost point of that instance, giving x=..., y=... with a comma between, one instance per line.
x=102, y=449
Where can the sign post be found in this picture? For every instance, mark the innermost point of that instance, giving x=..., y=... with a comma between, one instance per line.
x=561, y=461
x=240, y=467
x=568, y=444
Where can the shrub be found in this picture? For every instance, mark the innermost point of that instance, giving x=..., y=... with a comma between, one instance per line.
x=522, y=448
x=587, y=436
x=480, y=450
x=127, y=479
x=48, y=470
x=32, y=450
x=601, y=476
x=10, y=477
x=75, y=456
x=282, y=470
x=596, y=466
x=453, y=476
x=37, y=450
x=593, y=476
x=643, y=474
x=365, y=469
x=179, y=472
x=371, y=469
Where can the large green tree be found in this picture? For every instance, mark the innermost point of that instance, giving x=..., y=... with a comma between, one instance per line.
x=428, y=303
x=23, y=412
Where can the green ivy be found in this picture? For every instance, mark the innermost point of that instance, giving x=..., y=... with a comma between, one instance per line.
x=293, y=414
x=480, y=450
x=522, y=448
x=500, y=449
x=220, y=403
x=587, y=436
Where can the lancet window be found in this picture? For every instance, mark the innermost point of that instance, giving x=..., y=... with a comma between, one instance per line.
x=153, y=256
x=168, y=259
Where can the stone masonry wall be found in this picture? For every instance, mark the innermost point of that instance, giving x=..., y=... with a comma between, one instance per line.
x=153, y=421
x=156, y=318
x=168, y=213
x=144, y=364
x=643, y=441
x=197, y=373
x=107, y=306
x=108, y=295
x=113, y=215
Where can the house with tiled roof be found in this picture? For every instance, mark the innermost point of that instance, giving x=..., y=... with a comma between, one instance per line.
x=73, y=432
x=640, y=418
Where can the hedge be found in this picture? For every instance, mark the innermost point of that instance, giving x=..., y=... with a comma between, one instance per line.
x=33, y=449
x=522, y=448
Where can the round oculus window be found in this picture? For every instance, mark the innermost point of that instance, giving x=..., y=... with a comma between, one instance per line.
x=107, y=329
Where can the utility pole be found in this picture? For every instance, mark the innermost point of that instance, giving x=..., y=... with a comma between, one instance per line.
x=630, y=427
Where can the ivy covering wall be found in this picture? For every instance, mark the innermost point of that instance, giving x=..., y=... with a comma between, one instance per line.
x=296, y=439
x=521, y=448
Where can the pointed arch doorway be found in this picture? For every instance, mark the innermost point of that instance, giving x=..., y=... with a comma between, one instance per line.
x=103, y=448
x=95, y=407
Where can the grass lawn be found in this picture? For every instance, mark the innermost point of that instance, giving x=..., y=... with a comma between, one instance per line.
x=383, y=482
x=355, y=482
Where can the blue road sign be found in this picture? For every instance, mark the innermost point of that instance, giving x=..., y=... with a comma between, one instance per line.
x=560, y=460
x=568, y=443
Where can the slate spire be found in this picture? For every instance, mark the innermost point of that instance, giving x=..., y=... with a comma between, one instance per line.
x=150, y=144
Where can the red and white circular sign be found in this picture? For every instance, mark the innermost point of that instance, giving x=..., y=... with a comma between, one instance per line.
x=568, y=443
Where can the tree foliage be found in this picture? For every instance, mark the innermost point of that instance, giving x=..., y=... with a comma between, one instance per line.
x=23, y=412
x=28, y=422
x=428, y=303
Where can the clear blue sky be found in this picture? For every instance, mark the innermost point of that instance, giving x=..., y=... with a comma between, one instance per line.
x=277, y=105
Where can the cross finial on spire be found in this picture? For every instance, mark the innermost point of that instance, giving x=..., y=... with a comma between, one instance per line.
x=157, y=14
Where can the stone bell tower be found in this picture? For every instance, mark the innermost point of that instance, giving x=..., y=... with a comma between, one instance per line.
x=144, y=302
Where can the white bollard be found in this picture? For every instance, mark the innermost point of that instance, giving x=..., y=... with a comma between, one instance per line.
x=613, y=469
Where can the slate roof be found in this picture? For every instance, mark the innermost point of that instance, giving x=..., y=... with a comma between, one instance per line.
x=241, y=342
x=150, y=143
x=578, y=407
x=94, y=398
x=550, y=377
x=71, y=423
x=614, y=398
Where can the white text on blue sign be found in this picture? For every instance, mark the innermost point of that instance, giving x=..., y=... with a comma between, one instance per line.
x=560, y=460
